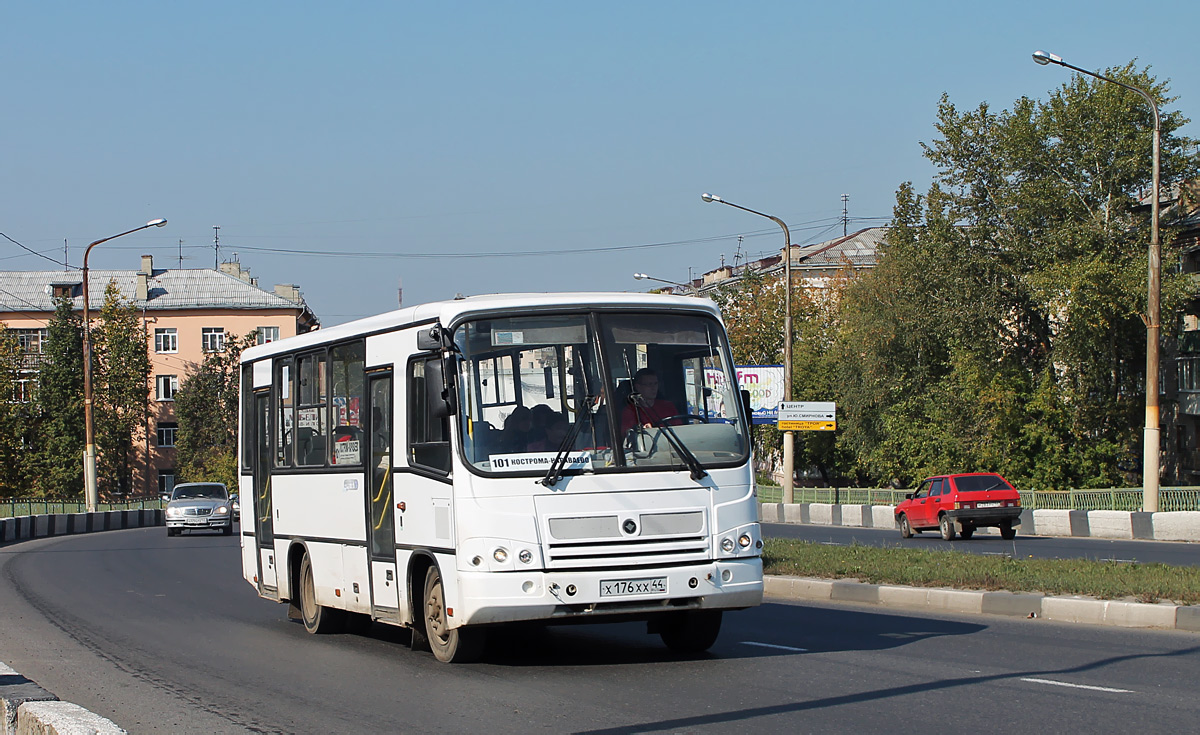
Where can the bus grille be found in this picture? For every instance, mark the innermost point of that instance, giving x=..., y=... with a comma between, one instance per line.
x=606, y=540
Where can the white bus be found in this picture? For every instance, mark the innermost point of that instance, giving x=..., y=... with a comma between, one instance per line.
x=459, y=465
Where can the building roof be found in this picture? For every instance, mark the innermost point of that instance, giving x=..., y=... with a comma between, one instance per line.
x=172, y=289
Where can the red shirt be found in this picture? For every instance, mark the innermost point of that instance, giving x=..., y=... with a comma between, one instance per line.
x=640, y=415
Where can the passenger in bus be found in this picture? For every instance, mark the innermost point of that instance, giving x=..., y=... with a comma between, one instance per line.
x=542, y=415
x=645, y=408
x=518, y=428
x=556, y=430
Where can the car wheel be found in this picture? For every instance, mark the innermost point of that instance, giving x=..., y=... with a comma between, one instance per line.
x=967, y=531
x=691, y=632
x=947, y=527
x=449, y=645
x=1007, y=532
x=317, y=618
x=905, y=529
x=227, y=530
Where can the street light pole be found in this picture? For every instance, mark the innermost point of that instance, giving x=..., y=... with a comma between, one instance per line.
x=689, y=287
x=1151, y=439
x=91, y=495
x=788, y=436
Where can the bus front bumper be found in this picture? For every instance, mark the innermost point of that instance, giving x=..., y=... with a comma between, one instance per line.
x=499, y=597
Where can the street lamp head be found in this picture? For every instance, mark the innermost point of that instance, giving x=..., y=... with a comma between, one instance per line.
x=710, y=197
x=156, y=222
x=640, y=276
x=1045, y=57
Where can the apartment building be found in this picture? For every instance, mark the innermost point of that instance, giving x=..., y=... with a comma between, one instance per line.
x=186, y=313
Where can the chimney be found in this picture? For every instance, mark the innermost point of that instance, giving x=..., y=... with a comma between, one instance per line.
x=289, y=291
x=148, y=265
x=143, y=283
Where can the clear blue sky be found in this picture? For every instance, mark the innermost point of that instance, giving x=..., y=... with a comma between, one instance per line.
x=467, y=128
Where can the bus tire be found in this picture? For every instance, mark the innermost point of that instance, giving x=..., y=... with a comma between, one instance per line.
x=317, y=618
x=691, y=632
x=449, y=645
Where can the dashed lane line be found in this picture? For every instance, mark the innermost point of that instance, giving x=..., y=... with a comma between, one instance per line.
x=1079, y=686
x=775, y=646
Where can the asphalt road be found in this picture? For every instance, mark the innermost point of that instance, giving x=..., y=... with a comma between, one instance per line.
x=1038, y=547
x=162, y=635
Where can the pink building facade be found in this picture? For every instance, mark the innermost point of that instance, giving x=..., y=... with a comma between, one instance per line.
x=186, y=313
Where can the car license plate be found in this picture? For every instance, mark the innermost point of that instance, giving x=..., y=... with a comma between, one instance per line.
x=988, y=505
x=626, y=587
x=197, y=521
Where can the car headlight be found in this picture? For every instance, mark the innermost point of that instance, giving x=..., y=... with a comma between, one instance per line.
x=223, y=510
x=174, y=512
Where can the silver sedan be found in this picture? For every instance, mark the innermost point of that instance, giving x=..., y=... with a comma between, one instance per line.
x=198, y=506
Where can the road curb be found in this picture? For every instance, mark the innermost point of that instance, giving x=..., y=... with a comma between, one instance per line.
x=1179, y=525
x=1066, y=609
x=26, y=707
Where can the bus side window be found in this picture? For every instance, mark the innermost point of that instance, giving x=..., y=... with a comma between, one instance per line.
x=428, y=435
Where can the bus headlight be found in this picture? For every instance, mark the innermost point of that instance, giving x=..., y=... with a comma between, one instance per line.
x=525, y=556
x=500, y=554
x=727, y=545
x=744, y=540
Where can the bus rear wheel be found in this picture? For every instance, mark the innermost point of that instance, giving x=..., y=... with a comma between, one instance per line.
x=317, y=618
x=694, y=631
x=449, y=645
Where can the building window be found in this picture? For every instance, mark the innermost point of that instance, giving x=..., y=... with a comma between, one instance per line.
x=212, y=339
x=267, y=334
x=165, y=387
x=166, y=434
x=166, y=481
x=166, y=340
x=23, y=388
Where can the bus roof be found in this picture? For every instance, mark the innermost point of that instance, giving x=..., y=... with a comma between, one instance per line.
x=449, y=312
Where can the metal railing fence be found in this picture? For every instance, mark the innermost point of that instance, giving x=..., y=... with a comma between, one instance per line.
x=1117, y=498
x=12, y=507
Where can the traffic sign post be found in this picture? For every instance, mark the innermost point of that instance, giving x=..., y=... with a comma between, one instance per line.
x=807, y=416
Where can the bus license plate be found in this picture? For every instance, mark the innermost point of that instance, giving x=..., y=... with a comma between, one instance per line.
x=626, y=587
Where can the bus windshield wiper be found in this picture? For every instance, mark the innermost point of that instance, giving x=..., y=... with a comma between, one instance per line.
x=555, y=473
x=697, y=470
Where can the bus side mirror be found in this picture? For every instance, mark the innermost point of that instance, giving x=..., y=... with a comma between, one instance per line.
x=439, y=395
x=748, y=412
x=430, y=339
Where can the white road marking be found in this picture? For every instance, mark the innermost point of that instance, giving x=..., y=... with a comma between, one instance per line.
x=774, y=645
x=1079, y=686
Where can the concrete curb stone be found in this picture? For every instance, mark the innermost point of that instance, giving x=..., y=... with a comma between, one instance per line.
x=1107, y=524
x=1066, y=609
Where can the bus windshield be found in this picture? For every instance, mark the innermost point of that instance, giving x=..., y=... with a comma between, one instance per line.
x=604, y=391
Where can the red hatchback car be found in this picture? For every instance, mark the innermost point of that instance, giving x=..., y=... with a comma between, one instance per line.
x=960, y=504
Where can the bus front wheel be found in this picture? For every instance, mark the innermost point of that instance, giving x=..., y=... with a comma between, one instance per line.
x=317, y=618
x=691, y=632
x=449, y=645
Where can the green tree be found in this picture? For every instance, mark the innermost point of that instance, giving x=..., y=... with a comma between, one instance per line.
x=121, y=391
x=206, y=406
x=55, y=462
x=1003, y=327
x=15, y=416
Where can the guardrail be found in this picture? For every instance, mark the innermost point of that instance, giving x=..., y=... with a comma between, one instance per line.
x=1122, y=498
x=14, y=507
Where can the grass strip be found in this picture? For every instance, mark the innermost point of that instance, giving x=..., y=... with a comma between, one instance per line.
x=921, y=568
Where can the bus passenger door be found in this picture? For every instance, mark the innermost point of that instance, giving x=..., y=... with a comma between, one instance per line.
x=381, y=512
x=264, y=528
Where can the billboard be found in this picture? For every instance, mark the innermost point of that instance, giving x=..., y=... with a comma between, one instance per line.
x=765, y=383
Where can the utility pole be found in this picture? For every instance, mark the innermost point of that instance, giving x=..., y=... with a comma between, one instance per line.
x=216, y=247
x=845, y=214
x=181, y=253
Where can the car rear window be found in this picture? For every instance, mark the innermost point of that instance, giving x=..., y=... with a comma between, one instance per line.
x=981, y=483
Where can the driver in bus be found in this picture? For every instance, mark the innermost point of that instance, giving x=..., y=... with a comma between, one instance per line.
x=645, y=408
